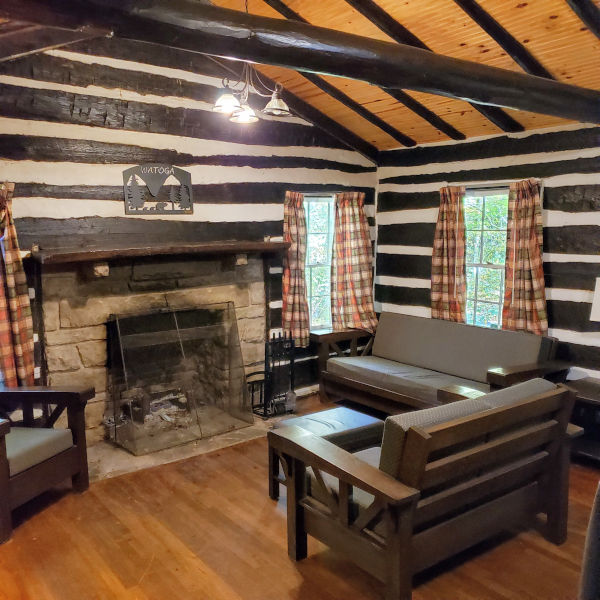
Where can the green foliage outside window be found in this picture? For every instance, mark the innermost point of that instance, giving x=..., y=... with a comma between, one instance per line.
x=485, y=254
x=320, y=215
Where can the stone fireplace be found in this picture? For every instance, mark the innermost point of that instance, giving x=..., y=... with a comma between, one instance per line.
x=75, y=300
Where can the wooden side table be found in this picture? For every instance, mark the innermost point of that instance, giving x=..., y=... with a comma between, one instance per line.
x=328, y=340
x=586, y=414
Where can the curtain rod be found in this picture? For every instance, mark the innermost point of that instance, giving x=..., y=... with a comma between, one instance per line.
x=492, y=184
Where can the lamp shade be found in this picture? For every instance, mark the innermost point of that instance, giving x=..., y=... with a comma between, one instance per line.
x=276, y=106
x=244, y=114
x=595, y=314
x=226, y=102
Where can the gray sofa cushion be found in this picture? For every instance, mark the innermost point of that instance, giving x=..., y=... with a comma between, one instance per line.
x=26, y=446
x=455, y=348
x=412, y=381
x=395, y=428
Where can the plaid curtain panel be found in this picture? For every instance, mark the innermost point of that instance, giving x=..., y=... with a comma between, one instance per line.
x=524, y=306
x=448, y=281
x=352, y=266
x=16, y=324
x=294, y=316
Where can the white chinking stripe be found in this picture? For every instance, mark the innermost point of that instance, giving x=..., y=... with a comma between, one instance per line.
x=404, y=309
x=65, y=173
x=53, y=208
x=410, y=282
x=275, y=270
x=163, y=141
x=557, y=218
x=408, y=250
x=276, y=304
x=519, y=134
x=567, y=295
x=576, y=337
x=395, y=217
x=570, y=179
x=550, y=257
x=489, y=163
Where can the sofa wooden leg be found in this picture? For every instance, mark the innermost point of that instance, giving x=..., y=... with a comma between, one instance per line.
x=297, y=539
x=273, y=474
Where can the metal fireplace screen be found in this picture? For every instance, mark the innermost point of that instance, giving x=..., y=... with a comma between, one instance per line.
x=176, y=376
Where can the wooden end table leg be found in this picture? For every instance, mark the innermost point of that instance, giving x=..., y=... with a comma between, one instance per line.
x=273, y=474
x=5, y=513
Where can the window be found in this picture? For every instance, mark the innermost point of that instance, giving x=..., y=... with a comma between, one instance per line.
x=320, y=224
x=486, y=216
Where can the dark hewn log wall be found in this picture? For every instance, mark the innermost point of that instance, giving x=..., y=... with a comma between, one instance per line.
x=72, y=120
x=568, y=162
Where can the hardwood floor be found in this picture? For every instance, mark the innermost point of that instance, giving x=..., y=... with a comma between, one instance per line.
x=205, y=528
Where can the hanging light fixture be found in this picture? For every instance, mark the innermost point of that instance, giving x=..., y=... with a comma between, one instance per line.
x=226, y=102
x=240, y=110
x=276, y=106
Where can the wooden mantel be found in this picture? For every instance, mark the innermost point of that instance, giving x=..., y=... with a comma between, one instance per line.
x=53, y=256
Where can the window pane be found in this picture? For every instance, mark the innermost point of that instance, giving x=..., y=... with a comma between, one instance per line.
x=320, y=311
x=318, y=218
x=470, y=318
x=472, y=246
x=496, y=212
x=487, y=315
x=317, y=249
x=489, y=286
x=320, y=281
x=494, y=247
x=473, y=212
x=471, y=272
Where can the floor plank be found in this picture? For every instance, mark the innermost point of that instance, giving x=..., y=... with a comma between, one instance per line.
x=205, y=528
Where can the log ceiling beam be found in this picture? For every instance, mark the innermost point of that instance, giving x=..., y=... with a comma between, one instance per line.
x=504, y=39
x=336, y=93
x=188, y=25
x=398, y=95
x=588, y=12
x=391, y=27
x=17, y=41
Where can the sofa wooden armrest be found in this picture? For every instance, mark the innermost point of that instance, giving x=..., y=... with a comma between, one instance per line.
x=507, y=376
x=313, y=450
x=4, y=427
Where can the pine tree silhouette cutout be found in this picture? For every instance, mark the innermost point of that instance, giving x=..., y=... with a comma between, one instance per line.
x=136, y=194
x=184, y=198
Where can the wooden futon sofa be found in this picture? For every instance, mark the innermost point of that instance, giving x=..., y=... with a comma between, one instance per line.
x=441, y=480
x=418, y=362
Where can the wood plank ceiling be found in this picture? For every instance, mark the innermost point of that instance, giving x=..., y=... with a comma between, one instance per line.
x=549, y=31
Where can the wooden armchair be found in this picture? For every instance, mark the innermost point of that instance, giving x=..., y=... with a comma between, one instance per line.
x=443, y=480
x=33, y=455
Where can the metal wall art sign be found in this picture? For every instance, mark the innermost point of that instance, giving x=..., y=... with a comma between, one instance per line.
x=157, y=189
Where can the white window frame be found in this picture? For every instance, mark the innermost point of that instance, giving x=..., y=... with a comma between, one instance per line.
x=330, y=200
x=484, y=193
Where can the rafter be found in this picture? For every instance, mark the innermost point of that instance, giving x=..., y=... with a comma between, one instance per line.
x=588, y=12
x=504, y=39
x=398, y=95
x=340, y=96
x=390, y=26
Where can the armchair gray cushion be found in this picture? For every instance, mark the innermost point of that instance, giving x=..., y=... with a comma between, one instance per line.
x=29, y=446
x=395, y=428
